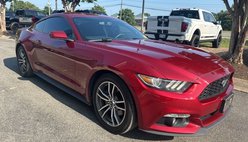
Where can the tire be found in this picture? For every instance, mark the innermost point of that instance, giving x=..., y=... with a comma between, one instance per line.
x=116, y=114
x=195, y=41
x=216, y=42
x=14, y=27
x=23, y=63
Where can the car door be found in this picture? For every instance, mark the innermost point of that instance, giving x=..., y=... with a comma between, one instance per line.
x=54, y=55
x=210, y=27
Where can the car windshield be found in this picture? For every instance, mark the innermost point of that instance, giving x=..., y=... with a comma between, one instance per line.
x=95, y=28
x=186, y=13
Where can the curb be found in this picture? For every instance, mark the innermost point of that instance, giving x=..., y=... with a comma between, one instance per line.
x=240, y=85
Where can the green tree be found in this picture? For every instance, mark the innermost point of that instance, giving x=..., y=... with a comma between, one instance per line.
x=147, y=14
x=23, y=5
x=239, y=14
x=99, y=8
x=46, y=10
x=70, y=5
x=225, y=18
x=128, y=16
x=2, y=15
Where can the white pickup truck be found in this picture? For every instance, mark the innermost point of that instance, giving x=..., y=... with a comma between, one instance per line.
x=190, y=26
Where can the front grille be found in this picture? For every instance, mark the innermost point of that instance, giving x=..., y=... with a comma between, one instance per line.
x=215, y=88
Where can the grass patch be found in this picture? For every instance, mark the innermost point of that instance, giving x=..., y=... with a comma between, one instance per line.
x=225, y=43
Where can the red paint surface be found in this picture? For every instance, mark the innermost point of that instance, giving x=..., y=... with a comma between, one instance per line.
x=74, y=64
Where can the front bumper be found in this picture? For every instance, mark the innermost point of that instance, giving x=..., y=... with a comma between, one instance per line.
x=155, y=104
x=169, y=37
x=202, y=131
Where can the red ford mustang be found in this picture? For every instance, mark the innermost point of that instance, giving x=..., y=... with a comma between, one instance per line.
x=159, y=87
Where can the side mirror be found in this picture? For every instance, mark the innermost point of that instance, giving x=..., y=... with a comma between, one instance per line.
x=58, y=35
x=219, y=22
x=215, y=22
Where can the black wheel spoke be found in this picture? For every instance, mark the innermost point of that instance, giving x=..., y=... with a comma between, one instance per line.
x=103, y=98
x=116, y=117
x=103, y=107
x=105, y=112
x=106, y=96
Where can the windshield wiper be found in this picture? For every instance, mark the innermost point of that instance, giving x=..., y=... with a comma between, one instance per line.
x=136, y=38
x=101, y=40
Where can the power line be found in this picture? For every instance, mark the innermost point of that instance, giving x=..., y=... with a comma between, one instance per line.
x=166, y=3
x=150, y=8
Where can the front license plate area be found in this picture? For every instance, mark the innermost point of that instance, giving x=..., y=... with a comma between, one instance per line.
x=226, y=103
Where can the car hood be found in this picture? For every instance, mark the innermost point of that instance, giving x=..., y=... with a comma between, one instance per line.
x=179, y=56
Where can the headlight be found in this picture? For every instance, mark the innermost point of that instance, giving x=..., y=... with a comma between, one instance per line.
x=162, y=84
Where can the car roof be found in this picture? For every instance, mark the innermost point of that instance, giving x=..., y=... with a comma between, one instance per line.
x=76, y=14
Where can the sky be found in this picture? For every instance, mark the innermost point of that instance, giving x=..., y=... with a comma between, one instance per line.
x=154, y=7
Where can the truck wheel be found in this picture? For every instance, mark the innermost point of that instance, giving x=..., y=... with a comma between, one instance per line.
x=195, y=41
x=14, y=27
x=216, y=42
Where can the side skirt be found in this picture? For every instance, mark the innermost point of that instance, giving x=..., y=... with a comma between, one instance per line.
x=62, y=87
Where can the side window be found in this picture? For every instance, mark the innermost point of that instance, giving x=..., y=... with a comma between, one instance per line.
x=208, y=17
x=20, y=13
x=40, y=14
x=40, y=26
x=58, y=24
x=205, y=16
x=212, y=19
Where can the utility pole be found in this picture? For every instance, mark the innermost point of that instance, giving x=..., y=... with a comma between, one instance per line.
x=143, y=15
x=49, y=7
x=13, y=5
x=121, y=9
x=56, y=4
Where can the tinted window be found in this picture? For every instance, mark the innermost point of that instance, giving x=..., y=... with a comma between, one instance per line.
x=40, y=26
x=9, y=14
x=94, y=28
x=20, y=13
x=30, y=13
x=58, y=24
x=208, y=17
x=40, y=14
x=186, y=13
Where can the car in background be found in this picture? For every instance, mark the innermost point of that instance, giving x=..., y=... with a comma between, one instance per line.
x=22, y=18
x=189, y=26
x=131, y=81
x=8, y=17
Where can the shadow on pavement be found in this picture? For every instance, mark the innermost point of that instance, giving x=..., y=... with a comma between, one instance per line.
x=9, y=35
x=75, y=104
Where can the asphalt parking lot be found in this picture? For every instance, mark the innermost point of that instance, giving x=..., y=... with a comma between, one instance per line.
x=33, y=110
